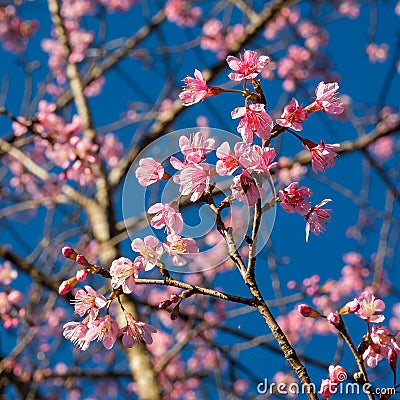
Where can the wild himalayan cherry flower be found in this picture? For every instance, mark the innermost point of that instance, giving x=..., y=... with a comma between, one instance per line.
x=380, y=346
x=149, y=249
x=230, y=160
x=196, y=89
x=321, y=154
x=149, y=171
x=261, y=158
x=136, y=331
x=253, y=120
x=166, y=215
x=104, y=329
x=76, y=333
x=176, y=245
x=248, y=66
x=293, y=115
x=244, y=189
x=193, y=179
x=292, y=198
x=123, y=273
x=195, y=148
x=317, y=219
x=88, y=300
x=327, y=99
x=370, y=307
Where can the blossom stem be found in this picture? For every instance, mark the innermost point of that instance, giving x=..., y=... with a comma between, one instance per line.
x=244, y=92
x=341, y=327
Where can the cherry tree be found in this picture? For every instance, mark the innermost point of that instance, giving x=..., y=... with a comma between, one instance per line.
x=199, y=200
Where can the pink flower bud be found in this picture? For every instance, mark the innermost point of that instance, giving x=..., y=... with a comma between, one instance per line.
x=350, y=308
x=164, y=305
x=80, y=259
x=307, y=311
x=333, y=318
x=81, y=275
x=174, y=298
x=69, y=252
x=67, y=286
x=392, y=358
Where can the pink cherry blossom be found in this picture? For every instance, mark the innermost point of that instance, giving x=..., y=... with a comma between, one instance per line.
x=253, y=120
x=230, y=160
x=293, y=115
x=182, y=13
x=166, y=215
x=176, y=245
x=322, y=156
x=247, y=66
x=123, y=273
x=149, y=171
x=136, y=332
x=104, y=329
x=245, y=189
x=379, y=348
x=261, y=158
x=292, y=198
x=88, y=300
x=197, y=89
x=195, y=148
x=76, y=333
x=317, y=219
x=370, y=307
x=327, y=99
x=193, y=179
x=7, y=273
x=150, y=250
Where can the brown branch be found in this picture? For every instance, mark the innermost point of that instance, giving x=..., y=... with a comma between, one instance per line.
x=195, y=289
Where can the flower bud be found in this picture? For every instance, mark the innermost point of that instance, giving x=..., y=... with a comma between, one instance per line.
x=307, y=311
x=350, y=308
x=174, y=298
x=81, y=275
x=333, y=318
x=80, y=259
x=69, y=252
x=68, y=285
x=164, y=304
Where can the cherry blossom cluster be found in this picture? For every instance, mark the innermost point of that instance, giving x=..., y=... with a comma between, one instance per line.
x=254, y=121
x=247, y=162
x=378, y=343
x=63, y=144
x=10, y=309
x=88, y=304
x=14, y=31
